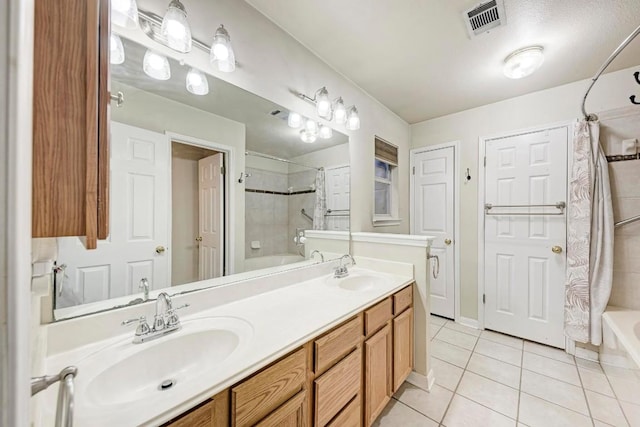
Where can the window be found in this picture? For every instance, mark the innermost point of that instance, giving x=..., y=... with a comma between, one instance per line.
x=386, y=184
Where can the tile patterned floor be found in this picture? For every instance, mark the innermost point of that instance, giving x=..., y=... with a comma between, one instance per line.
x=487, y=379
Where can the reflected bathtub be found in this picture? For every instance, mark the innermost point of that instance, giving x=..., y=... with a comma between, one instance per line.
x=257, y=263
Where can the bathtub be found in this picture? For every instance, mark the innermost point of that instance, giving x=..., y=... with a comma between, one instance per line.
x=257, y=263
x=620, y=338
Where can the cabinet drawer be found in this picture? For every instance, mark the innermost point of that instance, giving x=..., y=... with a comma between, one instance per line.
x=261, y=394
x=291, y=414
x=377, y=316
x=335, y=388
x=350, y=416
x=337, y=343
x=402, y=300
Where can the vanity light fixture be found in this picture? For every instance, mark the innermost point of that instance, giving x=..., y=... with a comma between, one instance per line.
x=156, y=65
x=197, y=82
x=175, y=27
x=294, y=120
x=222, y=54
x=308, y=137
x=330, y=111
x=523, y=62
x=124, y=13
x=339, y=111
x=311, y=126
x=325, y=132
x=323, y=104
x=116, y=49
x=353, y=119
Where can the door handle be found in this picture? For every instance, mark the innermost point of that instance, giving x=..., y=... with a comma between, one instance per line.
x=160, y=249
x=447, y=242
x=556, y=249
x=199, y=239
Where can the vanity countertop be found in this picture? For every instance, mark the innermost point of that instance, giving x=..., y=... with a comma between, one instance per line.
x=278, y=321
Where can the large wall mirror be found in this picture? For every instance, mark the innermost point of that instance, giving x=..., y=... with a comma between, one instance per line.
x=205, y=183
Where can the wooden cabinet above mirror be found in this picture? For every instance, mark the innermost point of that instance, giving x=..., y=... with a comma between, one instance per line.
x=70, y=119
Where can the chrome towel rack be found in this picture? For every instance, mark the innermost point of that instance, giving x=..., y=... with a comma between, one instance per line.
x=627, y=221
x=306, y=215
x=560, y=206
x=64, y=409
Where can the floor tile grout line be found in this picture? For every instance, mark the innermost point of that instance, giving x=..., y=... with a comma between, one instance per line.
x=414, y=409
x=624, y=414
x=586, y=399
x=555, y=404
x=520, y=385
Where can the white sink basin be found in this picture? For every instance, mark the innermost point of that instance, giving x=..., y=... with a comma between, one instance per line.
x=126, y=372
x=357, y=281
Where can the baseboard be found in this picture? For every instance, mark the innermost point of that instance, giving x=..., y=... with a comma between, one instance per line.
x=585, y=353
x=421, y=381
x=471, y=323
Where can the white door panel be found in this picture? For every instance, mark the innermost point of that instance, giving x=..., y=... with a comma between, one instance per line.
x=138, y=224
x=434, y=216
x=338, y=189
x=210, y=190
x=524, y=279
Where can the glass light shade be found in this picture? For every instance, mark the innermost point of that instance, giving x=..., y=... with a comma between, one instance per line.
x=124, y=13
x=294, y=120
x=340, y=111
x=523, y=62
x=353, y=120
x=116, y=48
x=222, y=53
x=228, y=65
x=311, y=126
x=175, y=27
x=325, y=132
x=308, y=137
x=197, y=82
x=156, y=66
x=323, y=104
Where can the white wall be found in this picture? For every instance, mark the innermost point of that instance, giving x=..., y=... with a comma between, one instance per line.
x=4, y=367
x=536, y=109
x=273, y=64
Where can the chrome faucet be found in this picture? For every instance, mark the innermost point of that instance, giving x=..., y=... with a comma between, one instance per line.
x=315, y=251
x=144, y=286
x=342, y=270
x=165, y=321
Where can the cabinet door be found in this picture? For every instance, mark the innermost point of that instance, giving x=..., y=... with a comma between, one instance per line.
x=291, y=414
x=377, y=374
x=402, y=347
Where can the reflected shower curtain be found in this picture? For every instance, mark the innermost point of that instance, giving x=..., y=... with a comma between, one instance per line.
x=320, y=205
x=589, y=237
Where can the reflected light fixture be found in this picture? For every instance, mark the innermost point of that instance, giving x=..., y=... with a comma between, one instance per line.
x=222, y=53
x=308, y=137
x=311, y=126
x=124, y=13
x=523, y=62
x=156, y=65
x=325, y=132
x=323, y=104
x=353, y=119
x=197, y=82
x=175, y=27
x=294, y=120
x=339, y=111
x=116, y=55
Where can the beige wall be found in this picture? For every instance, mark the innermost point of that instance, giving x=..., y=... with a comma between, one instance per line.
x=184, y=220
x=536, y=109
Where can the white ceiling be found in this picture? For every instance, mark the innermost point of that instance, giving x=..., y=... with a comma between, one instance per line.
x=415, y=57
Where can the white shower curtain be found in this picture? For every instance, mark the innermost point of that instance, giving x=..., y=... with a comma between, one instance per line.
x=589, y=237
x=320, y=205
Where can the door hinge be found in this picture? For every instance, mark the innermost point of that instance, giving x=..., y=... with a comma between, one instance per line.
x=484, y=298
x=485, y=161
x=413, y=170
x=222, y=170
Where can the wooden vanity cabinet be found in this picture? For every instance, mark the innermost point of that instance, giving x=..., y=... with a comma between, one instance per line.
x=71, y=119
x=212, y=413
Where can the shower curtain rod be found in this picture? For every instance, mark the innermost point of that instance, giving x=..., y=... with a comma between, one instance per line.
x=278, y=159
x=606, y=64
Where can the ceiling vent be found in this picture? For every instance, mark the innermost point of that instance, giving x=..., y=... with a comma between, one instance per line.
x=484, y=18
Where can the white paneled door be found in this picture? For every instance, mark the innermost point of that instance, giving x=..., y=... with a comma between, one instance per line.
x=524, y=257
x=338, y=188
x=434, y=205
x=210, y=223
x=139, y=224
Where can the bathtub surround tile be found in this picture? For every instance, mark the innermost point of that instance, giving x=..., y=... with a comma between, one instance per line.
x=398, y=414
x=457, y=338
x=554, y=391
x=595, y=381
x=462, y=328
x=494, y=369
x=450, y=353
x=502, y=339
x=491, y=394
x=606, y=409
x=498, y=351
x=550, y=352
x=463, y=413
x=566, y=372
x=447, y=375
x=432, y=404
x=536, y=412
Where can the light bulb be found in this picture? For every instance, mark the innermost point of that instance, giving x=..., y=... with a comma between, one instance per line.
x=339, y=111
x=116, y=49
x=323, y=104
x=311, y=126
x=307, y=137
x=294, y=120
x=325, y=132
x=156, y=65
x=197, y=82
x=228, y=65
x=175, y=27
x=523, y=62
x=222, y=54
x=124, y=13
x=353, y=120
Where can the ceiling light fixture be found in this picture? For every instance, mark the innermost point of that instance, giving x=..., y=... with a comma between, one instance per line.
x=523, y=62
x=222, y=53
x=197, y=82
x=325, y=132
x=156, y=65
x=294, y=120
x=116, y=49
x=336, y=110
x=124, y=13
x=175, y=27
x=353, y=119
x=308, y=137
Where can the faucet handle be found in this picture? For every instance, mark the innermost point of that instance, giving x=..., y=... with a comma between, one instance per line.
x=172, y=317
x=143, y=327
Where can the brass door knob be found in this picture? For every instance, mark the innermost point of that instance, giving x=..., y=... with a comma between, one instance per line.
x=199, y=239
x=447, y=242
x=160, y=249
x=556, y=249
